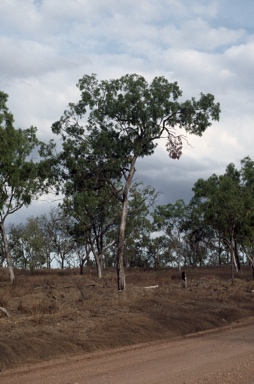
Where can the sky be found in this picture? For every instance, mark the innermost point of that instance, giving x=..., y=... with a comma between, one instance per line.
x=206, y=46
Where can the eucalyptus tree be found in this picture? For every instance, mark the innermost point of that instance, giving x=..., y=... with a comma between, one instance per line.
x=22, y=177
x=170, y=219
x=159, y=252
x=27, y=244
x=247, y=225
x=87, y=199
x=122, y=120
x=198, y=233
x=94, y=218
x=15, y=242
x=228, y=206
x=46, y=227
x=139, y=228
x=33, y=242
x=62, y=242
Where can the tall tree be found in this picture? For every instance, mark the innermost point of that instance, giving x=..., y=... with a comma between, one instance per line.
x=125, y=117
x=21, y=178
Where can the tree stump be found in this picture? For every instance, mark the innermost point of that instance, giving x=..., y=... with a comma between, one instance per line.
x=184, y=280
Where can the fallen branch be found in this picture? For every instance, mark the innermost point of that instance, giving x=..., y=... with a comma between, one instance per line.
x=5, y=311
x=151, y=287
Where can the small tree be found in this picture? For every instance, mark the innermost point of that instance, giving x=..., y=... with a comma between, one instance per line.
x=21, y=177
x=142, y=200
x=61, y=240
x=27, y=244
x=46, y=226
x=94, y=210
x=125, y=119
x=169, y=219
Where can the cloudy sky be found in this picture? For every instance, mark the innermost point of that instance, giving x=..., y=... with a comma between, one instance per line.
x=204, y=45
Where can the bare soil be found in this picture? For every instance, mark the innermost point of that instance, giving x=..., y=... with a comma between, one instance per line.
x=56, y=314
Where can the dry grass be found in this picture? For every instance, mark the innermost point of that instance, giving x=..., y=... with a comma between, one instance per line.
x=56, y=313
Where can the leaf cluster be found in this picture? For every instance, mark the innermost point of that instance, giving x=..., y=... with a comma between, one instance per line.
x=23, y=174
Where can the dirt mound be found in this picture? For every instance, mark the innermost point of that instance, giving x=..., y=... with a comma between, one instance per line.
x=60, y=313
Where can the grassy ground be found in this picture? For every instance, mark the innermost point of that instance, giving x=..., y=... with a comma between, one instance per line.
x=59, y=313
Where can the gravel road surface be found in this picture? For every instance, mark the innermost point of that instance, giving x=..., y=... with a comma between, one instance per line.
x=225, y=356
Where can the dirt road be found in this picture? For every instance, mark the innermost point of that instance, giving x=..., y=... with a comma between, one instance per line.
x=222, y=357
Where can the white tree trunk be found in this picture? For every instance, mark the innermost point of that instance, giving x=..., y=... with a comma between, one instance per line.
x=233, y=257
x=121, y=281
x=8, y=254
x=98, y=260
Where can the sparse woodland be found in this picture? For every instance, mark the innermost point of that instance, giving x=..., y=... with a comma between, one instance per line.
x=70, y=267
x=105, y=218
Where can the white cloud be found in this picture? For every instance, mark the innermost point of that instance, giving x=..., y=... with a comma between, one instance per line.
x=241, y=58
x=198, y=34
x=27, y=58
x=208, y=9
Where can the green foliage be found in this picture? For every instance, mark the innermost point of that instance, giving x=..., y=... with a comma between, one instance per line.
x=27, y=244
x=21, y=177
x=227, y=205
x=89, y=200
x=221, y=199
x=218, y=223
x=142, y=201
x=170, y=220
x=125, y=116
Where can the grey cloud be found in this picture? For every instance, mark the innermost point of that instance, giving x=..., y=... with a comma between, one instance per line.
x=28, y=59
x=175, y=178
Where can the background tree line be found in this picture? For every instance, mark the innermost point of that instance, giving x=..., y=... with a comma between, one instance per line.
x=215, y=228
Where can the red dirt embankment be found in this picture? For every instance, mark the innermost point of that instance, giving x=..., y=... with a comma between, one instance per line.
x=60, y=314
